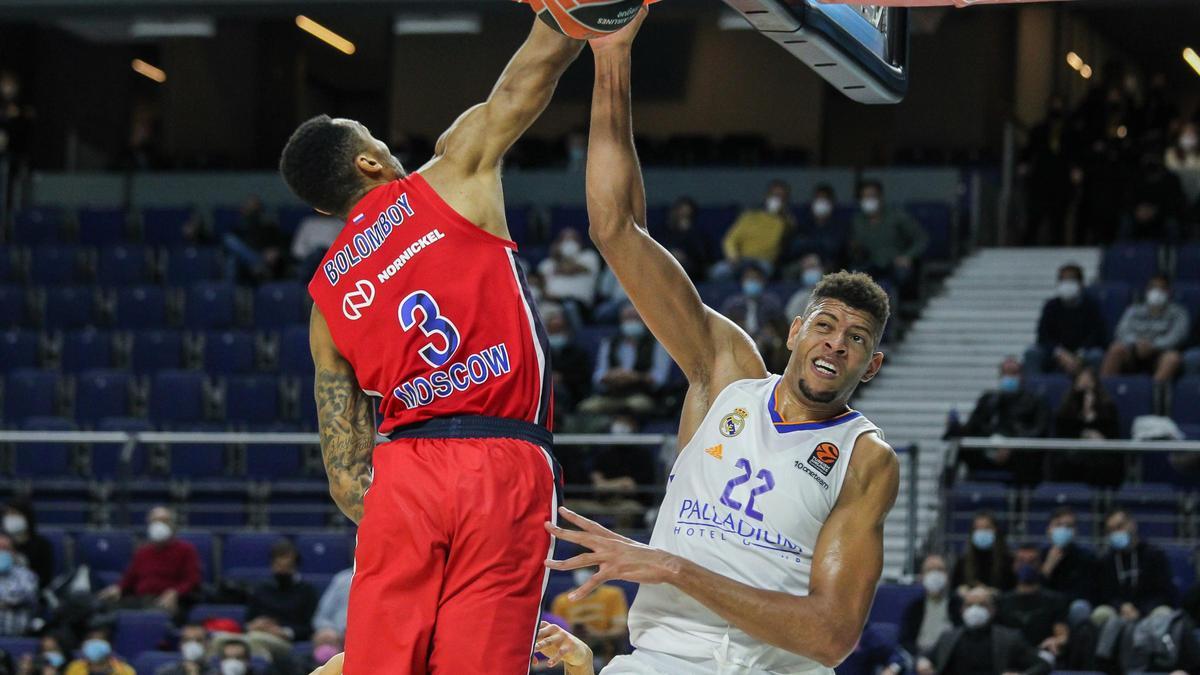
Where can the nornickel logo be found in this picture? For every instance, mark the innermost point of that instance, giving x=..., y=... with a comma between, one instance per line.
x=358, y=300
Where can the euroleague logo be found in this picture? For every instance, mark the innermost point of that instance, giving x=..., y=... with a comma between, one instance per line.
x=824, y=457
x=358, y=300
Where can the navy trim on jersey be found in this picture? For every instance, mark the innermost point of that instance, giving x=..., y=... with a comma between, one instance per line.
x=787, y=427
x=543, y=339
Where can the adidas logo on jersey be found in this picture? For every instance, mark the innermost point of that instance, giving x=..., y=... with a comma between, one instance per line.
x=717, y=451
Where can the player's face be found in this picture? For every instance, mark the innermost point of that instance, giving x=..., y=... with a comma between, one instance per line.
x=377, y=150
x=833, y=350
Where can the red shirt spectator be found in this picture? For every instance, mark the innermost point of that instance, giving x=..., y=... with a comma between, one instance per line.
x=157, y=568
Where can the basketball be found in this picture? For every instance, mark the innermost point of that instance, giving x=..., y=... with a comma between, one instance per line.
x=587, y=19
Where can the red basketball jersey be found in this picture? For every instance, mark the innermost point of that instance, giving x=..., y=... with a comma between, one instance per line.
x=433, y=313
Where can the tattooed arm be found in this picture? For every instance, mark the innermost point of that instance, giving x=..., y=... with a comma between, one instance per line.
x=345, y=419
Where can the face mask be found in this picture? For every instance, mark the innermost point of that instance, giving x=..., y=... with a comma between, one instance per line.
x=1189, y=142
x=633, y=328
x=1027, y=574
x=158, y=531
x=191, y=650
x=581, y=577
x=1068, y=289
x=1061, y=536
x=869, y=205
x=323, y=653
x=812, y=276
x=821, y=208
x=1010, y=383
x=774, y=204
x=6, y=562
x=558, y=340
x=96, y=651
x=1119, y=540
x=55, y=659
x=934, y=581
x=983, y=539
x=1156, y=297
x=233, y=667
x=976, y=616
x=569, y=248
x=15, y=524
x=752, y=288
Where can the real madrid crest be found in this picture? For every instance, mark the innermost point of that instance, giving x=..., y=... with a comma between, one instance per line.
x=733, y=423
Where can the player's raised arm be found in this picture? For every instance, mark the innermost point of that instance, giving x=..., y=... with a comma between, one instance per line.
x=709, y=348
x=477, y=141
x=345, y=419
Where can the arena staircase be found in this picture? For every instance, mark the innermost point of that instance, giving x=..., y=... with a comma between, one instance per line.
x=987, y=309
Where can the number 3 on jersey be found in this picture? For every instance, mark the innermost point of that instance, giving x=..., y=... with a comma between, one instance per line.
x=431, y=323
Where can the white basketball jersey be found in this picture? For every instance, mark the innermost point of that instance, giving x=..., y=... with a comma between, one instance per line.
x=746, y=499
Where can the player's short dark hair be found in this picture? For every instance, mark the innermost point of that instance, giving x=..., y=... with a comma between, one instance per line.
x=824, y=189
x=1071, y=267
x=866, y=183
x=1062, y=512
x=318, y=164
x=858, y=291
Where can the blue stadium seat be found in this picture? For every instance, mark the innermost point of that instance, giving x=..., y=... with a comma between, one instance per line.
x=1113, y=297
x=197, y=461
x=150, y=662
x=30, y=393
x=714, y=293
x=591, y=337
x=1182, y=559
x=123, y=265
x=38, y=225
x=270, y=462
x=18, y=349
x=324, y=553
x=205, y=544
x=1134, y=396
x=55, y=265
x=228, y=352
x=320, y=581
x=12, y=306
x=43, y=460
x=278, y=304
x=225, y=516
x=938, y=220
x=563, y=217
x=295, y=357
x=202, y=613
x=1156, y=506
x=248, y=550
x=189, y=264
x=966, y=499
x=1186, y=407
x=105, y=551
x=163, y=226
x=100, y=394
x=177, y=397
x=101, y=226
x=1187, y=262
x=16, y=647
x=291, y=516
x=140, y=307
x=289, y=217
x=225, y=219
x=155, y=350
x=69, y=307
x=85, y=350
x=247, y=576
x=517, y=216
x=1051, y=388
x=1049, y=496
x=308, y=405
x=252, y=399
x=714, y=221
x=209, y=305
x=1133, y=263
x=8, y=266
x=60, y=543
x=1188, y=295
x=891, y=600
x=138, y=631
x=106, y=457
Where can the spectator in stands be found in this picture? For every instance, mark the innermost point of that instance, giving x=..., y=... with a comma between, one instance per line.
x=164, y=572
x=683, y=241
x=16, y=122
x=1087, y=411
x=1067, y=567
x=980, y=645
x=1149, y=336
x=1134, y=576
x=1184, y=153
x=811, y=272
x=754, y=307
x=1191, y=602
x=1070, y=331
x=1045, y=167
x=98, y=657
x=820, y=232
x=631, y=369
x=325, y=645
x=1040, y=614
x=886, y=242
x=599, y=618
x=18, y=591
x=1012, y=412
x=758, y=234
x=572, y=364
x=50, y=659
x=234, y=658
x=986, y=560
x=1156, y=202
x=193, y=651
x=20, y=523
x=936, y=612
x=257, y=248
x=612, y=297
x=312, y=240
x=330, y=616
x=280, y=611
x=571, y=272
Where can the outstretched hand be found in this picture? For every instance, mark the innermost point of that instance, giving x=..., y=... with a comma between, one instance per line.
x=617, y=557
x=622, y=39
x=559, y=646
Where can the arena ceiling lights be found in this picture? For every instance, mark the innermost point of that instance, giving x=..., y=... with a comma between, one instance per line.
x=437, y=24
